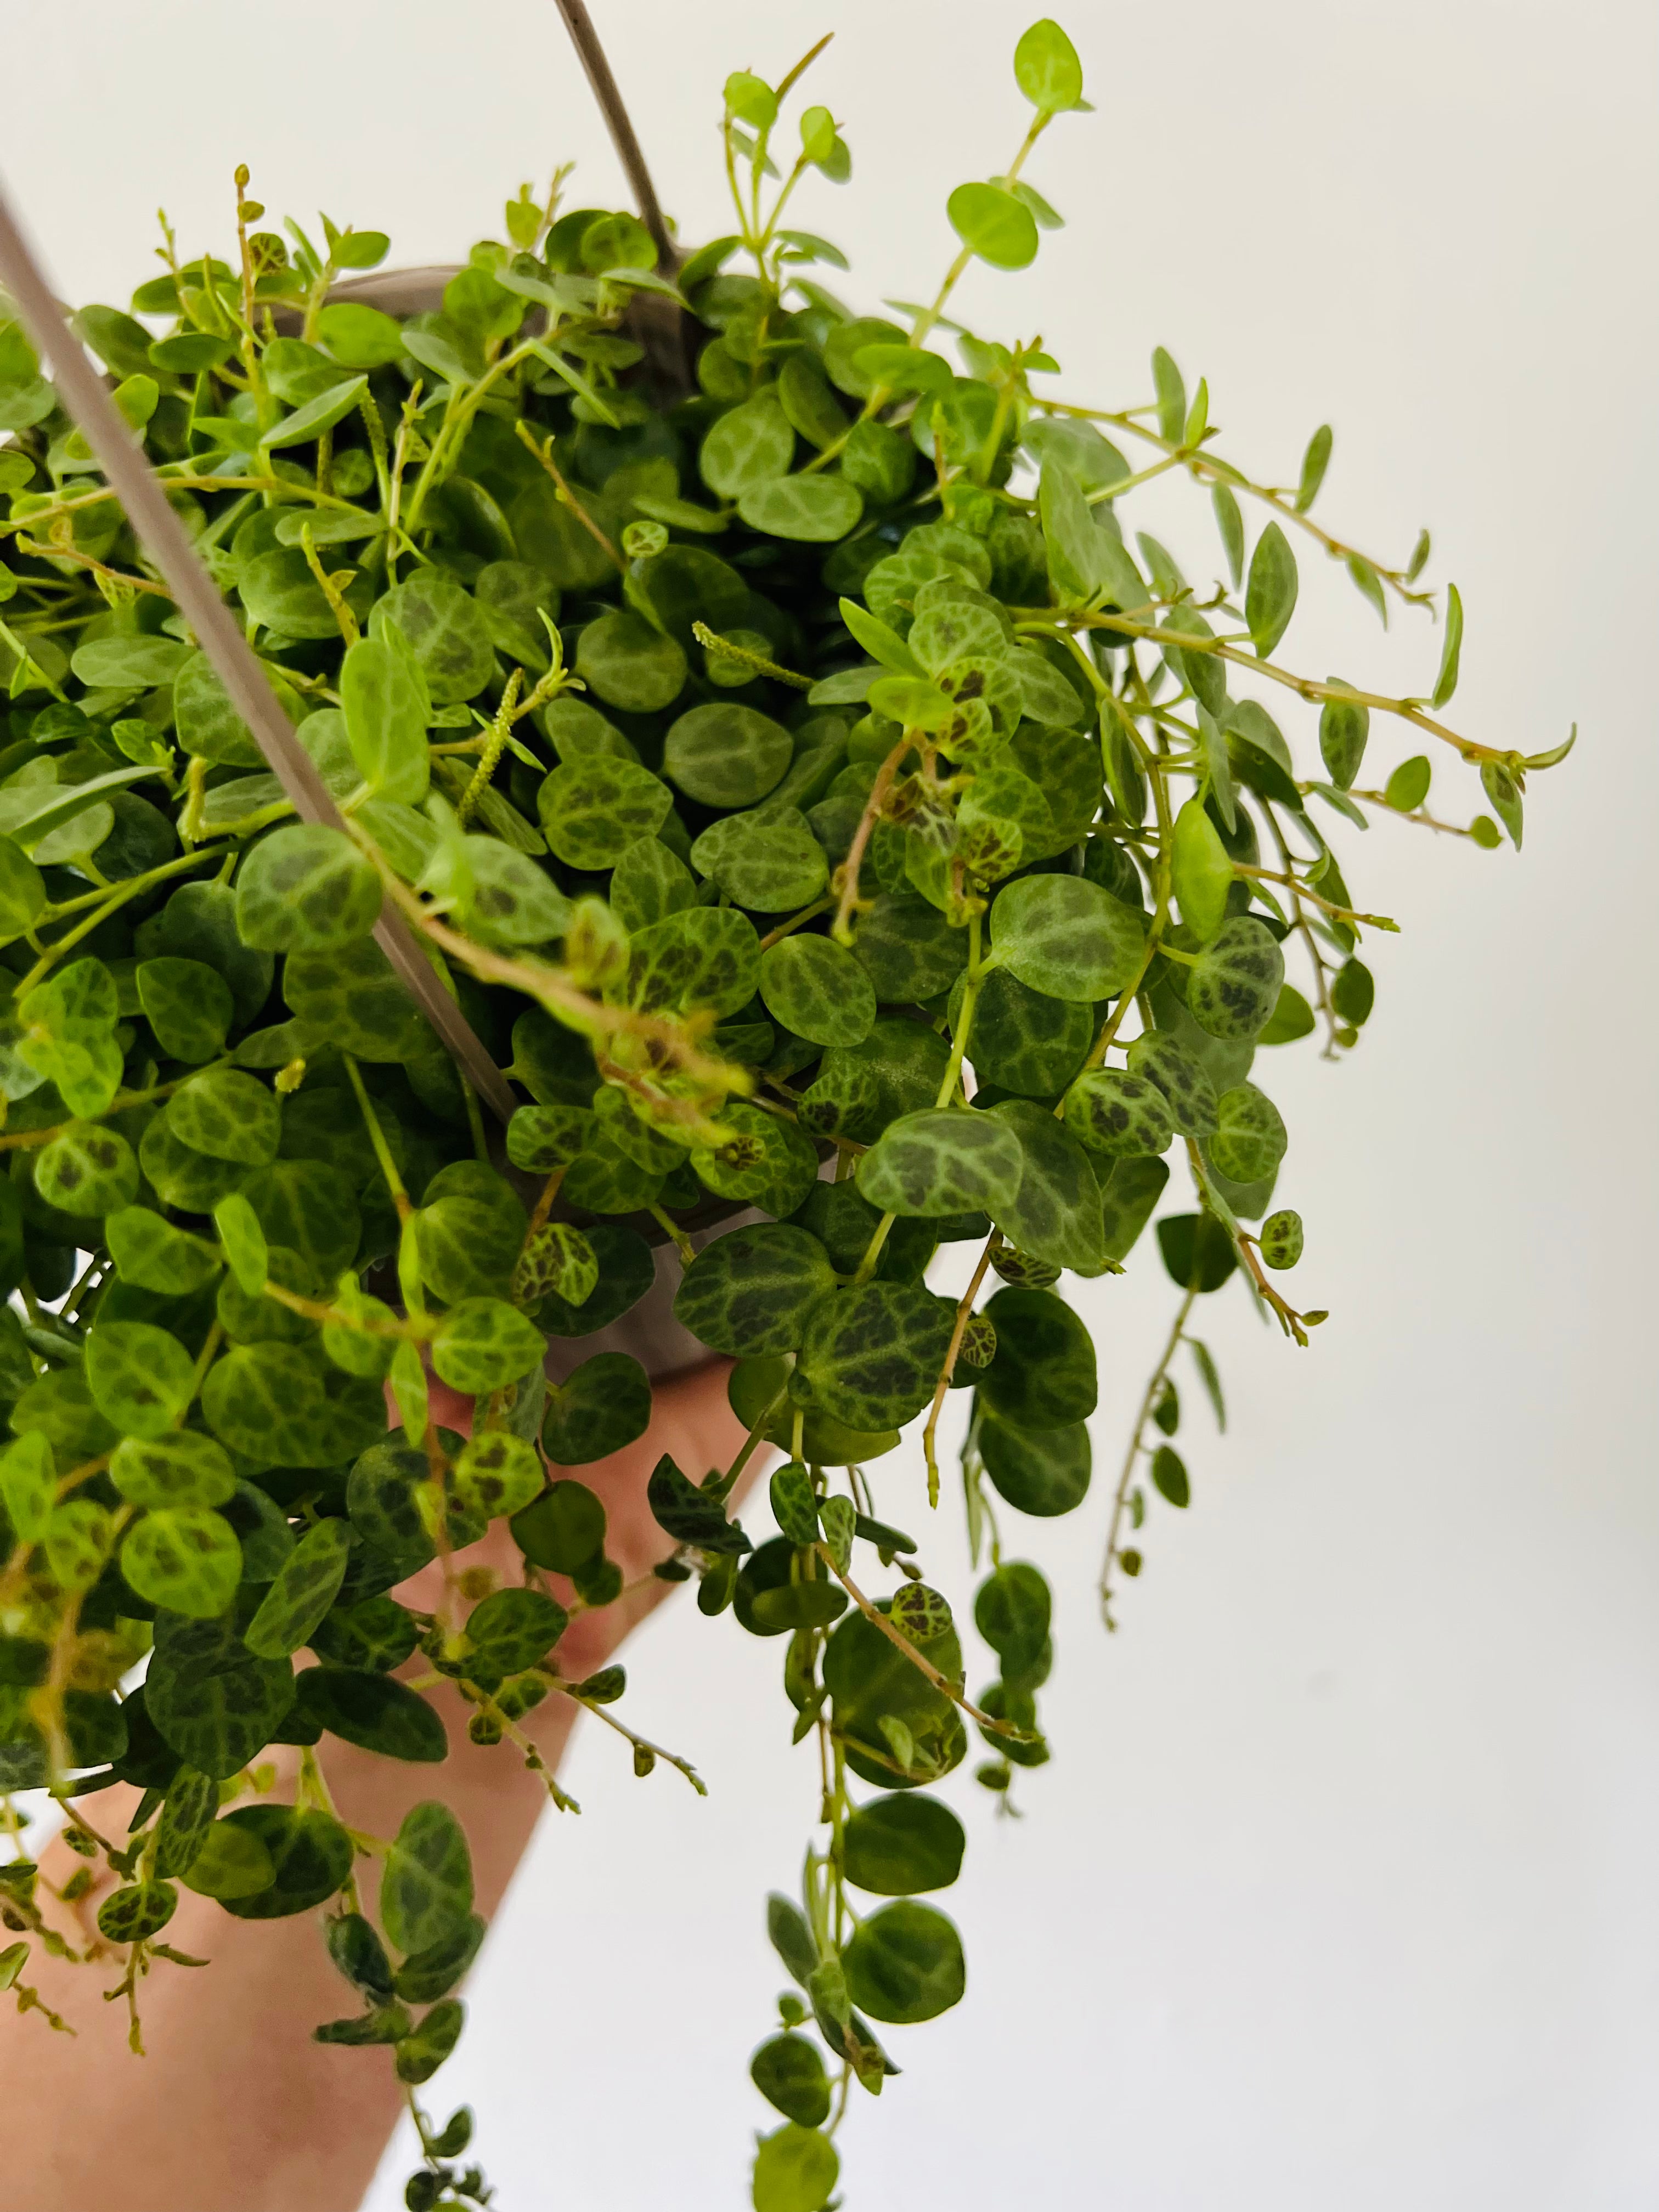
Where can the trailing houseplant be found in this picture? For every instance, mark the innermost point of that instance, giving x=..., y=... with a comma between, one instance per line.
x=826, y=809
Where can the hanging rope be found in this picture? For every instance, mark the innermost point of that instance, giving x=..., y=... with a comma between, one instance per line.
x=586, y=39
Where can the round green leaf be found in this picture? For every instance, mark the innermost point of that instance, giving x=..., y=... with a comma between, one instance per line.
x=1198, y=1252
x=185, y=1557
x=1250, y=1137
x=484, y=1344
x=27, y=1486
x=816, y=509
x=564, y=1529
x=130, y=663
x=796, y=2168
x=1043, y=1374
x=302, y=1593
x=628, y=664
x=1201, y=871
x=78, y=1539
x=69, y=1035
x=870, y=1355
x=227, y=1116
x=991, y=223
x=1281, y=1238
x=1011, y=1611
x=942, y=1161
x=594, y=808
x=1044, y=1472
x=186, y=1468
x=183, y=1178
x=386, y=706
x=908, y=949
x=308, y=1208
x=189, y=1006
x=771, y=864
x=880, y=462
x=445, y=628
x=778, y=1167
x=376, y=1634
x=426, y=1892
x=905, y=1964
x=351, y=997
x=1054, y=1213
x=209, y=726
x=869, y=1678
x=1160, y=1059
x=627, y=1272
x=305, y=887
x=198, y=922
x=1022, y=1041
x=542, y=1138
x=372, y=1711
x=141, y=1378
x=1169, y=1476
x=1065, y=937
x=1233, y=986
x=900, y=1844
x=559, y=1258
x=431, y=1972
x=513, y=1630
x=752, y=1290
x=264, y=1400
x=419, y=2056
x=725, y=756
x=749, y=445
x=818, y=990
x=1047, y=69
x=231, y=1862
x=310, y=1856
x=789, y=2074
x=1291, y=1018
x=604, y=1405
x=22, y=892
x=649, y=884
x=381, y=1500
x=1124, y=1116
x=215, y=1703
x=280, y=594
x=88, y=1171
x=135, y=1914
x=847, y=341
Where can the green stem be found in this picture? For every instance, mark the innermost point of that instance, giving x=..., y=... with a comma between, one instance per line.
x=394, y=1181
x=947, y=1089
x=154, y=875
x=107, y=905
x=1120, y=1497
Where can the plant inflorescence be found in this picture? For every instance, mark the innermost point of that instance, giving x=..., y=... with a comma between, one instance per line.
x=825, y=808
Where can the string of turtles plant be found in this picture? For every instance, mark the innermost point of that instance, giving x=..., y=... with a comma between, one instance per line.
x=821, y=804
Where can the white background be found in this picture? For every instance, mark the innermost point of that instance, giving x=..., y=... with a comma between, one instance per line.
x=1340, y=1890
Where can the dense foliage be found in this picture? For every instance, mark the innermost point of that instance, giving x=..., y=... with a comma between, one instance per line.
x=813, y=770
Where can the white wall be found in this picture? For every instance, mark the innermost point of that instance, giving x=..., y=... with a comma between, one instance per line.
x=1339, y=1891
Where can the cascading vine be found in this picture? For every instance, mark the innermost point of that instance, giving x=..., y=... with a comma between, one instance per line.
x=824, y=808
